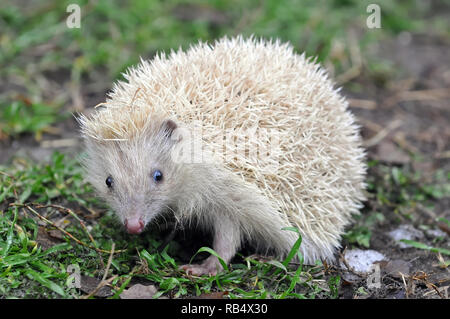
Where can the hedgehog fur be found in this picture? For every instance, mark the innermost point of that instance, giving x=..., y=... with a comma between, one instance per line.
x=313, y=179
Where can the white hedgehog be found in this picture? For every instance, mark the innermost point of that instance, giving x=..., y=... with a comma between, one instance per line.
x=296, y=157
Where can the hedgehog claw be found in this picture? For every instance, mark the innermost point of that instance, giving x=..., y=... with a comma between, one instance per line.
x=206, y=268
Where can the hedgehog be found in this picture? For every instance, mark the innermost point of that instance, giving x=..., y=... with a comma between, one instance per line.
x=242, y=136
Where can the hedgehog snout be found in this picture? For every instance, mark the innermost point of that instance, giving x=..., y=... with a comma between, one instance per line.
x=134, y=225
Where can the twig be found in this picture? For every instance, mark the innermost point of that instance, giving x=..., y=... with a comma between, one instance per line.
x=407, y=290
x=104, y=282
x=401, y=141
x=65, y=142
x=441, y=289
x=355, y=57
x=351, y=73
x=70, y=212
x=6, y=174
x=382, y=134
x=109, y=261
x=419, y=95
x=62, y=230
x=427, y=211
x=83, y=225
x=100, y=286
x=422, y=277
x=443, y=155
x=398, y=138
x=362, y=104
x=77, y=97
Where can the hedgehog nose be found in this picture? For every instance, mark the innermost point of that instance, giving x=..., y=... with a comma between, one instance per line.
x=134, y=225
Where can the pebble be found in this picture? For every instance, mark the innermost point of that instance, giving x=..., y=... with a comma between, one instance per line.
x=405, y=232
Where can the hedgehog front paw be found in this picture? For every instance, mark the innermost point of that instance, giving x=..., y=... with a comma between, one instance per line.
x=209, y=267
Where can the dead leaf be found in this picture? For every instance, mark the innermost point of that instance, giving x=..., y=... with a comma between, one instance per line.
x=388, y=152
x=54, y=233
x=424, y=167
x=139, y=291
x=444, y=227
x=397, y=267
x=45, y=239
x=89, y=284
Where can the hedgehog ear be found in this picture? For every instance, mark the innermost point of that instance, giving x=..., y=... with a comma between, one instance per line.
x=169, y=127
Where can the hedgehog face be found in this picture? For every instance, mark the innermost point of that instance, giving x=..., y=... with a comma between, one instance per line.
x=137, y=177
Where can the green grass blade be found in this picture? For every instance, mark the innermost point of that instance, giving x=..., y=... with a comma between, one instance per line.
x=418, y=245
x=45, y=282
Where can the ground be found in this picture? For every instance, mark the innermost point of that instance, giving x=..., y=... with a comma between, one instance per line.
x=397, y=82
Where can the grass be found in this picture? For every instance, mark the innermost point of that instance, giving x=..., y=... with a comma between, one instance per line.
x=426, y=247
x=27, y=270
x=24, y=117
x=403, y=189
x=36, y=46
x=400, y=190
x=113, y=35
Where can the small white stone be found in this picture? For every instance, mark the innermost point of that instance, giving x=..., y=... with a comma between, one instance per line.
x=435, y=233
x=405, y=232
x=362, y=260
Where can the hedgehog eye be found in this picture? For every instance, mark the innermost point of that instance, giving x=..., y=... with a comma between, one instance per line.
x=157, y=176
x=109, y=181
